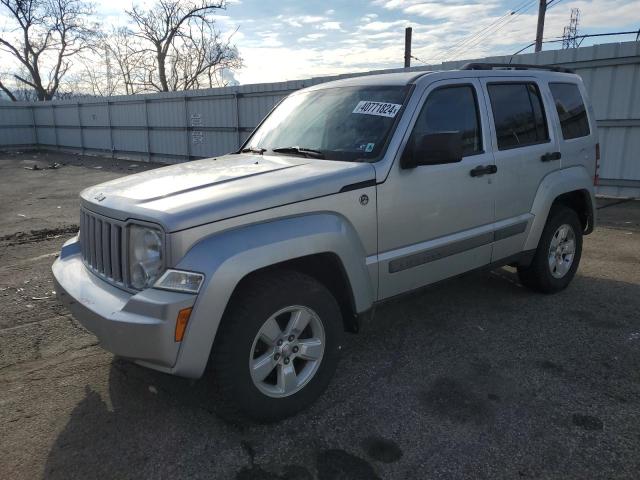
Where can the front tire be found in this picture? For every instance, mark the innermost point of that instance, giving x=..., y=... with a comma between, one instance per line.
x=278, y=346
x=558, y=254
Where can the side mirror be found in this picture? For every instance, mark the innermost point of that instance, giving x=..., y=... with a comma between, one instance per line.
x=433, y=149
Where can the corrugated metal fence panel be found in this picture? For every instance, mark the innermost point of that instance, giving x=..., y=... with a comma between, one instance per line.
x=215, y=112
x=177, y=126
x=17, y=136
x=128, y=114
x=166, y=113
x=46, y=136
x=66, y=115
x=129, y=140
x=16, y=126
x=97, y=138
x=43, y=114
x=94, y=115
x=16, y=116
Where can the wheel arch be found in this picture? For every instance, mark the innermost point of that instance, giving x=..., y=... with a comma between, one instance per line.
x=312, y=244
x=325, y=267
x=571, y=187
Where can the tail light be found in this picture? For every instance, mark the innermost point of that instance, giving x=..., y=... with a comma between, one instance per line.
x=596, y=173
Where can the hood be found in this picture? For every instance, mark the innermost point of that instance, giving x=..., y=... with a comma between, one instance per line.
x=203, y=191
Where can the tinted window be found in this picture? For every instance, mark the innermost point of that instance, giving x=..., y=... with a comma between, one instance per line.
x=571, y=110
x=518, y=114
x=452, y=109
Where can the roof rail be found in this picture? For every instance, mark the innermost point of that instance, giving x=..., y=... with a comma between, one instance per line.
x=513, y=66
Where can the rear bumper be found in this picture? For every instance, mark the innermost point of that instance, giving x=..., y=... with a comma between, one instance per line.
x=139, y=326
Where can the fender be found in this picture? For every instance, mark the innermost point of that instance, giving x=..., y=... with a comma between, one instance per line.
x=226, y=258
x=552, y=186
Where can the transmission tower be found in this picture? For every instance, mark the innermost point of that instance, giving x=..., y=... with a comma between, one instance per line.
x=109, y=71
x=570, y=34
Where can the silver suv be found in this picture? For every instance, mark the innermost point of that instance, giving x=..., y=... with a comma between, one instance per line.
x=253, y=265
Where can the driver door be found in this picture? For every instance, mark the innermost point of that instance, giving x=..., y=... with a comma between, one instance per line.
x=435, y=221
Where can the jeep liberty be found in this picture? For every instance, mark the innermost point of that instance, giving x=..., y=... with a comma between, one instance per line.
x=251, y=266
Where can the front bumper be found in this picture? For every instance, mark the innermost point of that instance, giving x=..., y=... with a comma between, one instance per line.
x=138, y=326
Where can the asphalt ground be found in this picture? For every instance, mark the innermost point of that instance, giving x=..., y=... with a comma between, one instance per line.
x=475, y=378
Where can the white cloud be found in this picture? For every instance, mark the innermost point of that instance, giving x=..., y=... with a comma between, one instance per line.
x=312, y=37
x=331, y=11
x=300, y=20
x=382, y=26
x=329, y=26
x=268, y=39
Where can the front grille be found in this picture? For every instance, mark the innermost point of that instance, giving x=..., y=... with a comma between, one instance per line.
x=102, y=242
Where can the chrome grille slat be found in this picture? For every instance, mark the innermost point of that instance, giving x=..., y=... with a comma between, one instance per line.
x=102, y=246
x=92, y=242
x=98, y=241
x=116, y=256
x=106, y=248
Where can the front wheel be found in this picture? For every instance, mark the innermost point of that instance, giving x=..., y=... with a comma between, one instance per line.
x=278, y=345
x=558, y=254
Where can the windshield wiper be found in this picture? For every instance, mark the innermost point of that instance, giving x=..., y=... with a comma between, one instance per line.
x=259, y=151
x=307, y=152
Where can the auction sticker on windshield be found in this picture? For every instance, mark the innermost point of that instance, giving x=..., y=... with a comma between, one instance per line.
x=380, y=109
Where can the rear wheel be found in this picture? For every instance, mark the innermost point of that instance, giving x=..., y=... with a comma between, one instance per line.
x=558, y=254
x=278, y=345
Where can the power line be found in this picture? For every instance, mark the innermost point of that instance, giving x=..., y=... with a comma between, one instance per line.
x=477, y=32
x=487, y=32
x=484, y=31
x=523, y=8
x=581, y=37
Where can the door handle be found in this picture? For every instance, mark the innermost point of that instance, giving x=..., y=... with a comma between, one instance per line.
x=547, y=157
x=483, y=170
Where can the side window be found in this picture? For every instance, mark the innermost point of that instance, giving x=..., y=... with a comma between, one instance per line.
x=452, y=109
x=571, y=110
x=518, y=114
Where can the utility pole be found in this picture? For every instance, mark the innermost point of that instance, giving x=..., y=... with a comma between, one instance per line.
x=407, y=47
x=542, y=10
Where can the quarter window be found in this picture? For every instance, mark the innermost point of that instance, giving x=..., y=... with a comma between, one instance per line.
x=452, y=109
x=518, y=114
x=571, y=110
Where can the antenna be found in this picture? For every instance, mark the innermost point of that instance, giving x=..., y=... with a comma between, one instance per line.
x=570, y=34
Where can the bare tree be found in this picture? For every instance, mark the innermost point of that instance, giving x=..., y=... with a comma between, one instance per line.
x=186, y=48
x=115, y=65
x=44, y=35
x=128, y=59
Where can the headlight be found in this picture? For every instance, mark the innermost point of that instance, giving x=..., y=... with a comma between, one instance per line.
x=145, y=256
x=180, y=281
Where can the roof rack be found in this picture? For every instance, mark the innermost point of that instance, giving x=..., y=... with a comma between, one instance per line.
x=513, y=66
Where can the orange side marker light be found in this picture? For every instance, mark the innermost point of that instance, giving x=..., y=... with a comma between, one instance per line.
x=181, y=323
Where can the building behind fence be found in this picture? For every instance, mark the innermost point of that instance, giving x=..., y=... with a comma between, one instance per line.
x=179, y=126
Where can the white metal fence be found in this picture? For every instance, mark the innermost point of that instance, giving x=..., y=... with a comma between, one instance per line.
x=179, y=126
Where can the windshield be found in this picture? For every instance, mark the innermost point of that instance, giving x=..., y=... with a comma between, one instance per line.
x=346, y=123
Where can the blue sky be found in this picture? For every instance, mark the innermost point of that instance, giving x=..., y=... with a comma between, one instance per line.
x=287, y=39
x=284, y=39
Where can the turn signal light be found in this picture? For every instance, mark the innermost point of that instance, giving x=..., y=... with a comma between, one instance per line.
x=181, y=323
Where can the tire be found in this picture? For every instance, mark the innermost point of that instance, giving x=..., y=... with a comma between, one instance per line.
x=544, y=276
x=239, y=348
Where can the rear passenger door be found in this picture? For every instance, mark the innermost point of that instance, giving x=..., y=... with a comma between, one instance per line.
x=525, y=151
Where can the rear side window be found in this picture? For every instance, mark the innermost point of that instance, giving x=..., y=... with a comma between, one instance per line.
x=571, y=110
x=518, y=114
x=452, y=109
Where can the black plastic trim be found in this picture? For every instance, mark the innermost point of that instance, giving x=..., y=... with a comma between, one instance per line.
x=358, y=185
x=514, y=66
x=433, y=254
